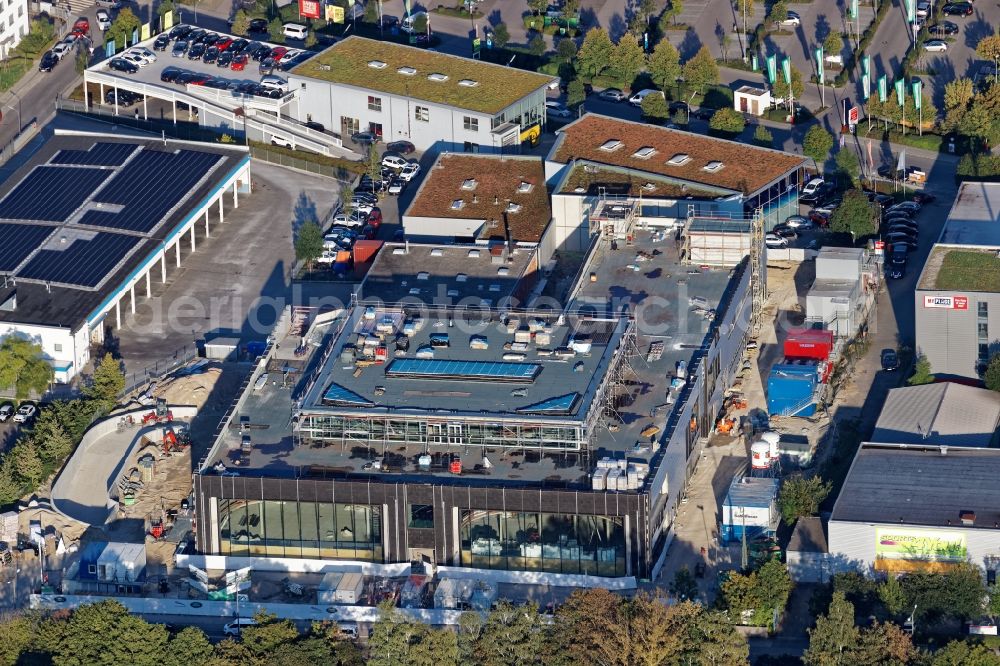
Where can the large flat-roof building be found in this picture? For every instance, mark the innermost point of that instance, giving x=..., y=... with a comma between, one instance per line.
x=435, y=101
x=945, y=413
x=88, y=220
x=674, y=176
x=957, y=297
x=907, y=507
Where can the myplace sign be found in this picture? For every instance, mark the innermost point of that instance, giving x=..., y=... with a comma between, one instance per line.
x=947, y=302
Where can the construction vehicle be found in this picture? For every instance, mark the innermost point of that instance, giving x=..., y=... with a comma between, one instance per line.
x=174, y=441
x=159, y=415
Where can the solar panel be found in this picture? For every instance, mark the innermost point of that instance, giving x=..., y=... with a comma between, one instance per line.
x=100, y=154
x=494, y=371
x=562, y=404
x=83, y=262
x=18, y=241
x=337, y=395
x=149, y=186
x=51, y=193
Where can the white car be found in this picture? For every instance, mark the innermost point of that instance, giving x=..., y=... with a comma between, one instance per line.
x=362, y=207
x=557, y=110
x=234, y=627
x=134, y=58
x=923, y=9
x=773, y=241
x=792, y=19
x=396, y=186
x=24, y=413
x=813, y=185
x=5, y=412
x=103, y=20
x=394, y=162
x=410, y=171
x=936, y=46
x=282, y=141
x=143, y=53
x=62, y=48
x=636, y=99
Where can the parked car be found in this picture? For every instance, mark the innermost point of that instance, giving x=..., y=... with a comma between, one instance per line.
x=901, y=239
x=225, y=59
x=196, y=52
x=923, y=9
x=211, y=55
x=812, y=187
x=943, y=29
x=123, y=65
x=410, y=171
x=784, y=231
x=396, y=185
x=792, y=20
x=237, y=625
x=612, y=95
x=312, y=124
x=25, y=413
x=170, y=74
x=935, y=46
x=180, y=49
x=148, y=56
x=375, y=218
x=48, y=61
x=6, y=410
x=890, y=360
x=257, y=25
x=366, y=197
x=394, y=161
x=136, y=60
x=636, y=99
x=82, y=25
x=161, y=43
x=364, y=137
x=103, y=19
x=905, y=205
x=62, y=48
x=775, y=241
x=123, y=98
x=962, y=9
x=557, y=110
x=401, y=147
x=923, y=199
x=800, y=222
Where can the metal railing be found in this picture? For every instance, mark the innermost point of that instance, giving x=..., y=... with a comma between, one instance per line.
x=281, y=159
x=138, y=379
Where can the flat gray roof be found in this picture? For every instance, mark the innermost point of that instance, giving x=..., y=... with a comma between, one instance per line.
x=974, y=219
x=809, y=536
x=944, y=413
x=921, y=485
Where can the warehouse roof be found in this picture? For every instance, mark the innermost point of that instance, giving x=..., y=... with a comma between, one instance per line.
x=921, y=485
x=961, y=269
x=416, y=73
x=973, y=219
x=690, y=157
x=483, y=188
x=944, y=413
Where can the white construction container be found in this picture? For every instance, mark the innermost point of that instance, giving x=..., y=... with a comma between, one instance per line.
x=452, y=593
x=543, y=339
x=351, y=587
x=600, y=479
x=522, y=335
x=326, y=593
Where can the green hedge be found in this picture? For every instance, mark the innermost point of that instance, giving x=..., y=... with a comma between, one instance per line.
x=981, y=167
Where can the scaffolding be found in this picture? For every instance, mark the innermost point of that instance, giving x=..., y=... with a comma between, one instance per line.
x=620, y=369
x=758, y=281
x=615, y=216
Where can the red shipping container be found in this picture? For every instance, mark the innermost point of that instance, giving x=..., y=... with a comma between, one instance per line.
x=365, y=250
x=809, y=343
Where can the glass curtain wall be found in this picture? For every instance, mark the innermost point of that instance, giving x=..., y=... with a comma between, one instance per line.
x=300, y=529
x=553, y=542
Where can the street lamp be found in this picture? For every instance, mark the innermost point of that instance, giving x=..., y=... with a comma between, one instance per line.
x=20, y=125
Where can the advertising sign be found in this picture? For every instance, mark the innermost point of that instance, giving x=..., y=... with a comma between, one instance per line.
x=772, y=69
x=900, y=91
x=819, y=63
x=882, y=88
x=911, y=10
x=866, y=86
x=145, y=31
x=335, y=13
x=947, y=302
x=852, y=116
x=879, y=248
x=917, y=87
x=786, y=69
x=921, y=545
x=309, y=8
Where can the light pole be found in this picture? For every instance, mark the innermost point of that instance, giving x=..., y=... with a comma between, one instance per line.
x=20, y=125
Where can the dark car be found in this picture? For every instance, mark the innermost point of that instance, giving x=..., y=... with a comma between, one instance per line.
x=49, y=60
x=367, y=197
x=943, y=29
x=248, y=88
x=123, y=98
x=225, y=59
x=180, y=48
x=257, y=25
x=238, y=46
x=179, y=31
x=401, y=147
x=369, y=232
x=185, y=78
x=703, y=113
x=678, y=106
x=220, y=84
x=364, y=137
x=957, y=9
x=122, y=65
x=266, y=66
x=212, y=39
x=196, y=35
x=890, y=360
x=389, y=21
x=161, y=43
x=211, y=55
x=262, y=54
x=196, y=51
x=313, y=125
x=922, y=198
x=170, y=74
x=783, y=231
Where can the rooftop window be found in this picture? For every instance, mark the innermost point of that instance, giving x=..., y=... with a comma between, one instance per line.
x=436, y=76
x=406, y=71
x=469, y=184
x=713, y=166
x=376, y=64
x=437, y=252
x=457, y=204
x=611, y=145
x=468, y=83
x=644, y=153
x=524, y=187
x=679, y=159
x=513, y=207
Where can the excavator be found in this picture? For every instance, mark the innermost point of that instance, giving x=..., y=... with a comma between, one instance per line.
x=172, y=442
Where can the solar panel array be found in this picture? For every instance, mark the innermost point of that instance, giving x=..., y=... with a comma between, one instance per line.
x=146, y=199
x=337, y=395
x=17, y=241
x=84, y=262
x=51, y=193
x=562, y=404
x=100, y=154
x=492, y=371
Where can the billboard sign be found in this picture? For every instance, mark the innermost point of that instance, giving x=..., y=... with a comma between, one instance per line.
x=309, y=8
x=905, y=543
x=852, y=116
x=947, y=302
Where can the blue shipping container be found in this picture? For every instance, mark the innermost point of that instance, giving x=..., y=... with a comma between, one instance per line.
x=788, y=392
x=751, y=505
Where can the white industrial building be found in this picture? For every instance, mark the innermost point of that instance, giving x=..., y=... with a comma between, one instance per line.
x=944, y=413
x=433, y=100
x=14, y=23
x=837, y=298
x=907, y=507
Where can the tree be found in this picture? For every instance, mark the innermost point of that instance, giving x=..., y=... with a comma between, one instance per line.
x=963, y=653
x=669, y=16
x=817, y=144
x=188, y=647
x=781, y=89
x=511, y=635
x=855, y=215
x=420, y=24
x=501, y=35
x=883, y=644
x=310, y=40
x=566, y=49
x=17, y=633
x=685, y=587
x=664, y=65
x=10, y=487
x=576, y=93
x=536, y=46
x=763, y=137
x=778, y=13
x=371, y=13
x=107, y=384
x=833, y=43
x=834, y=637
x=957, y=593
x=891, y=593
x=701, y=70
x=538, y=6
x=82, y=60
x=241, y=22
x=958, y=95
x=992, y=375
x=724, y=43
x=989, y=48
x=921, y=372
x=717, y=641
x=23, y=368
x=800, y=497
x=276, y=31
x=654, y=107
x=106, y=633
x=848, y=165
x=309, y=243
x=627, y=60
x=594, y=56
x=167, y=6
x=727, y=121
x=122, y=28
x=745, y=8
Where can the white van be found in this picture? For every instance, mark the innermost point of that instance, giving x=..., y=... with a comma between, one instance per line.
x=236, y=626
x=295, y=31
x=410, y=20
x=636, y=99
x=272, y=82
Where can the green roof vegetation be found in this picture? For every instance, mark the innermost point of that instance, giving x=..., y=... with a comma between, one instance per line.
x=491, y=88
x=592, y=178
x=969, y=270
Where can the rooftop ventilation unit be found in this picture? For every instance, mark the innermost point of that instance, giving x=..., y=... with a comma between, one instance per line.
x=579, y=190
x=524, y=187
x=437, y=76
x=461, y=277
x=406, y=71
x=503, y=270
x=713, y=166
x=469, y=184
x=468, y=83
x=423, y=275
x=376, y=64
x=437, y=252
x=611, y=145
x=644, y=153
x=513, y=207
x=398, y=250
x=649, y=187
x=679, y=159
x=457, y=204
x=473, y=254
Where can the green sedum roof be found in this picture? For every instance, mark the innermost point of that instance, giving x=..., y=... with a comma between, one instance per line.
x=496, y=87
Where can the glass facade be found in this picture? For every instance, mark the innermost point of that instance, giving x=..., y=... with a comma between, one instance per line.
x=300, y=529
x=553, y=542
x=778, y=201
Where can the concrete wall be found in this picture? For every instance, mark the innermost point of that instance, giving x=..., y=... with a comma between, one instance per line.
x=570, y=222
x=440, y=228
x=949, y=336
